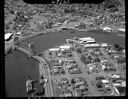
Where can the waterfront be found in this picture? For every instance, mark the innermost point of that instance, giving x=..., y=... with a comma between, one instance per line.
x=18, y=67
x=43, y=42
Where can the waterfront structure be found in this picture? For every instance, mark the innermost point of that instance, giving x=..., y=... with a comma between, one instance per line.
x=104, y=45
x=15, y=41
x=86, y=38
x=91, y=45
x=54, y=49
x=29, y=86
x=65, y=47
x=32, y=49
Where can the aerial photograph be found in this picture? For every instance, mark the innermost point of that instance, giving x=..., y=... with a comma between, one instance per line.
x=64, y=49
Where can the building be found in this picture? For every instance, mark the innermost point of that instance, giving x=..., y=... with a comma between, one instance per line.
x=88, y=42
x=104, y=81
x=8, y=36
x=19, y=33
x=54, y=50
x=108, y=29
x=115, y=75
x=122, y=30
x=86, y=39
x=65, y=47
x=91, y=45
x=104, y=45
x=57, y=24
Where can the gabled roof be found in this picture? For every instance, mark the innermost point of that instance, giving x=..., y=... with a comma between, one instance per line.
x=6, y=36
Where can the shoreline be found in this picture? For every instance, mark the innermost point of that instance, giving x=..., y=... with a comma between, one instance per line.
x=8, y=45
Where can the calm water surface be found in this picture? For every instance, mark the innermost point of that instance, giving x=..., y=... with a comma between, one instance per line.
x=17, y=69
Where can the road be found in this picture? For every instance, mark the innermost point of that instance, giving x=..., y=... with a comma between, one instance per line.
x=90, y=77
x=114, y=64
x=86, y=75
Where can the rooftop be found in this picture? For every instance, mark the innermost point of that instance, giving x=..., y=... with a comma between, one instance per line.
x=6, y=36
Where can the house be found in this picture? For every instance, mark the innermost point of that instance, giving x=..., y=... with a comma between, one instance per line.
x=79, y=83
x=115, y=75
x=123, y=51
x=8, y=36
x=82, y=87
x=18, y=33
x=104, y=61
x=57, y=24
x=122, y=30
x=104, y=81
x=104, y=45
x=121, y=83
x=108, y=29
x=116, y=56
x=91, y=68
x=103, y=67
x=116, y=84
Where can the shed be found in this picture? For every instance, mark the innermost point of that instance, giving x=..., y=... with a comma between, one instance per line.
x=65, y=47
x=54, y=49
x=104, y=81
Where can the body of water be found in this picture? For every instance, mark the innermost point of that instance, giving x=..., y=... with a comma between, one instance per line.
x=17, y=69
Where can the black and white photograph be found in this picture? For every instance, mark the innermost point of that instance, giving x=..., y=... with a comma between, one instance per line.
x=64, y=49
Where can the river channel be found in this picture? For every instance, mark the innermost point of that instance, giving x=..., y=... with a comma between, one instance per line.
x=18, y=66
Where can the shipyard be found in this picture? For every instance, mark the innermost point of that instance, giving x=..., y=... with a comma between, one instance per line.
x=65, y=50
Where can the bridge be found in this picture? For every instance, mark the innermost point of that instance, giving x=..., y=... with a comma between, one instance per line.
x=42, y=69
x=25, y=51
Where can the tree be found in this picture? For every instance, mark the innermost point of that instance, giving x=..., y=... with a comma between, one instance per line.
x=111, y=3
x=79, y=50
x=83, y=58
x=49, y=25
x=116, y=46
